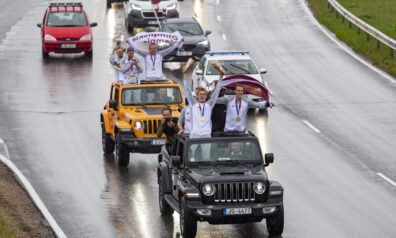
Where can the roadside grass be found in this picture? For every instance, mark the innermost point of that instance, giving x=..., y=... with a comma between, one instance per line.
x=5, y=230
x=380, y=15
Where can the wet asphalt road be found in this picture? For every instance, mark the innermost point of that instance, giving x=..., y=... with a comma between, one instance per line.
x=50, y=122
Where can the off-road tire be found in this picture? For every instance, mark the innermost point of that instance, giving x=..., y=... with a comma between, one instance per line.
x=121, y=153
x=45, y=54
x=107, y=142
x=89, y=54
x=188, y=224
x=275, y=223
x=165, y=209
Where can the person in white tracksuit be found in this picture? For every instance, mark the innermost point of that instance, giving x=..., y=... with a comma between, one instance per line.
x=130, y=67
x=201, y=113
x=184, y=122
x=116, y=61
x=237, y=109
x=153, y=61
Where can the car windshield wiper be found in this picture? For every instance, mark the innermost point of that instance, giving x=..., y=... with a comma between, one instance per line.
x=234, y=162
x=197, y=163
x=236, y=66
x=188, y=32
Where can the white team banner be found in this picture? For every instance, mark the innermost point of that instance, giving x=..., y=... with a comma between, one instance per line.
x=175, y=40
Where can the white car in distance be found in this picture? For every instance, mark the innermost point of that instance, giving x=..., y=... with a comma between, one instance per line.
x=235, y=62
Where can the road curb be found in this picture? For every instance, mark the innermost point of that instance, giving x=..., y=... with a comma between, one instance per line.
x=30, y=190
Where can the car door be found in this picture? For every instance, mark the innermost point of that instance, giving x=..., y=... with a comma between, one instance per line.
x=177, y=150
x=115, y=95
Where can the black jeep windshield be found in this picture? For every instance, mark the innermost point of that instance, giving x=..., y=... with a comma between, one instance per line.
x=67, y=19
x=151, y=95
x=224, y=151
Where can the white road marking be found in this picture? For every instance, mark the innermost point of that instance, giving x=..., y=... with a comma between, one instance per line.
x=384, y=177
x=345, y=48
x=217, y=2
x=224, y=36
x=32, y=193
x=311, y=126
x=218, y=18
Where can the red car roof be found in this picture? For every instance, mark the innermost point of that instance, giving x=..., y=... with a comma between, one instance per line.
x=65, y=9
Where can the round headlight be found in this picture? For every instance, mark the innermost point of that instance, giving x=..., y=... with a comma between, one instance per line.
x=138, y=125
x=208, y=189
x=259, y=188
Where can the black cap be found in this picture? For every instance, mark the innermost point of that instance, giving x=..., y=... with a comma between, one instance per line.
x=130, y=49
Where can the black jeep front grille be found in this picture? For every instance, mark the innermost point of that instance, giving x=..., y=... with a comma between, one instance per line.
x=234, y=192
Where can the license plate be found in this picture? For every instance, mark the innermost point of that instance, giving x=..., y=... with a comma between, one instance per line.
x=158, y=141
x=237, y=211
x=184, y=53
x=152, y=22
x=68, y=46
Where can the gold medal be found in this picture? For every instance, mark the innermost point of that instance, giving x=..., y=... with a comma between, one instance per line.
x=132, y=74
x=153, y=68
x=238, y=118
x=202, y=119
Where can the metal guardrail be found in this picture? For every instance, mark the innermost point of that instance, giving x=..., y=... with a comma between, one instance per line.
x=333, y=5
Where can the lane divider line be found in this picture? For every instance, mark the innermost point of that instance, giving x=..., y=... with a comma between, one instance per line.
x=384, y=177
x=218, y=18
x=32, y=193
x=224, y=36
x=217, y=2
x=344, y=47
x=311, y=126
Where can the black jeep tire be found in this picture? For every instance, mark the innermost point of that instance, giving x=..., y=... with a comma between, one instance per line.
x=188, y=224
x=275, y=223
x=107, y=142
x=165, y=209
x=121, y=153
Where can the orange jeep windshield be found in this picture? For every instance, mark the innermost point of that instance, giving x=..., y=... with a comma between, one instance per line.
x=151, y=95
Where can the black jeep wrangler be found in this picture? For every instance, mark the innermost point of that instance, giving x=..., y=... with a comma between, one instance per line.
x=221, y=180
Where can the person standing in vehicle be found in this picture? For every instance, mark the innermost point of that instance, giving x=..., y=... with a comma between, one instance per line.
x=201, y=109
x=184, y=122
x=130, y=67
x=116, y=64
x=237, y=109
x=167, y=127
x=153, y=61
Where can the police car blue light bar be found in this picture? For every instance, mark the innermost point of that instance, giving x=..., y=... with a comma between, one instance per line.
x=227, y=52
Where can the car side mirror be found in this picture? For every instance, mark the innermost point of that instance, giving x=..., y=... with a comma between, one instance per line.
x=199, y=72
x=269, y=159
x=176, y=161
x=93, y=24
x=159, y=158
x=263, y=71
x=208, y=33
x=39, y=25
x=113, y=104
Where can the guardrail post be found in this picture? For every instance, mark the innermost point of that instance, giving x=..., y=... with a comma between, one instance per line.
x=337, y=14
x=358, y=30
x=392, y=53
x=342, y=19
x=368, y=37
x=350, y=24
x=378, y=44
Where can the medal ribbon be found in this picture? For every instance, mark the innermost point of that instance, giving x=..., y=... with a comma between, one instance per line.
x=238, y=107
x=153, y=60
x=202, y=110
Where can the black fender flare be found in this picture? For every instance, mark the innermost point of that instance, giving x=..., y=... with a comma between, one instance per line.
x=164, y=173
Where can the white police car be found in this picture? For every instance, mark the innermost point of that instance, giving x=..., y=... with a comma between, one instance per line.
x=235, y=62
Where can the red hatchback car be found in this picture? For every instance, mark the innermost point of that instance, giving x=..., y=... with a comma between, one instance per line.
x=66, y=29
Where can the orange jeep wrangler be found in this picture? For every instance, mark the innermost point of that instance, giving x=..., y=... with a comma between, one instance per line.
x=131, y=117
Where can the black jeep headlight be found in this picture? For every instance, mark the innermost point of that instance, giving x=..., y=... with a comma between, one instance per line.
x=138, y=125
x=208, y=189
x=259, y=188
